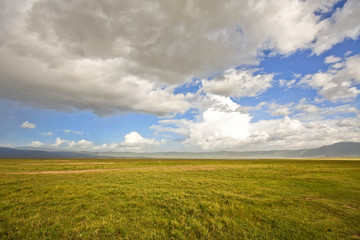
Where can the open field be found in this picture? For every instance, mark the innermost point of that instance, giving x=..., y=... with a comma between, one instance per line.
x=179, y=199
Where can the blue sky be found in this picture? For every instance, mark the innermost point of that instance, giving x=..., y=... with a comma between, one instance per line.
x=180, y=76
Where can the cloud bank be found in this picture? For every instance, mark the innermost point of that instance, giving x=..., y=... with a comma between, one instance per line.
x=27, y=124
x=339, y=82
x=133, y=141
x=110, y=57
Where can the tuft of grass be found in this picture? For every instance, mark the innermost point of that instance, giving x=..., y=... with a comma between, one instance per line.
x=181, y=199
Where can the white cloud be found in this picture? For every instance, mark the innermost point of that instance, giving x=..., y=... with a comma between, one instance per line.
x=134, y=139
x=84, y=144
x=280, y=110
x=73, y=145
x=337, y=84
x=221, y=125
x=287, y=84
x=308, y=108
x=341, y=109
x=304, y=106
x=284, y=111
x=177, y=126
x=290, y=134
x=218, y=129
x=231, y=131
x=36, y=144
x=133, y=142
x=260, y=105
x=67, y=131
x=202, y=102
x=47, y=133
x=305, y=110
x=348, y=53
x=331, y=59
x=59, y=142
x=27, y=124
x=337, y=65
x=343, y=24
x=275, y=109
x=238, y=83
x=349, y=122
x=134, y=54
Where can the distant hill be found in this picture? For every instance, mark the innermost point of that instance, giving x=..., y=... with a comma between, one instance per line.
x=21, y=153
x=346, y=149
x=341, y=149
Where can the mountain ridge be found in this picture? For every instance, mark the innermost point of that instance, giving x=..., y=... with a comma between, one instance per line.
x=340, y=149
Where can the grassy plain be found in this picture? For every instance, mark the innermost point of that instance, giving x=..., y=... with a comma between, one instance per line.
x=179, y=199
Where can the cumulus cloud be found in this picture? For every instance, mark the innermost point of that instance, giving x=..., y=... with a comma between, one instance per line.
x=275, y=109
x=280, y=110
x=59, y=142
x=36, y=144
x=303, y=106
x=349, y=122
x=110, y=57
x=177, y=126
x=308, y=108
x=341, y=109
x=305, y=109
x=343, y=24
x=81, y=144
x=133, y=54
x=134, y=139
x=292, y=133
x=47, y=133
x=27, y=124
x=218, y=129
x=337, y=84
x=331, y=59
x=222, y=125
x=133, y=142
x=287, y=84
x=238, y=83
x=73, y=145
x=67, y=131
x=338, y=65
x=282, y=133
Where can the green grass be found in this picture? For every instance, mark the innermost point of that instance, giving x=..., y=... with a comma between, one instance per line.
x=181, y=199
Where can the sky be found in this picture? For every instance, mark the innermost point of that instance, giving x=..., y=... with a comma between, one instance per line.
x=192, y=75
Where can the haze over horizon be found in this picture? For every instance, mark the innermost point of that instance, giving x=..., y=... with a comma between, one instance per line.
x=153, y=76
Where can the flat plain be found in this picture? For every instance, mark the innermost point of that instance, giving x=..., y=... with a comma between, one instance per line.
x=179, y=199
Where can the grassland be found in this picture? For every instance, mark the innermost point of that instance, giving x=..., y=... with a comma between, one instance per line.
x=179, y=199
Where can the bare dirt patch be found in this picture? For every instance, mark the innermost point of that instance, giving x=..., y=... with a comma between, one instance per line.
x=75, y=163
x=58, y=160
x=350, y=207
x=183, y=167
